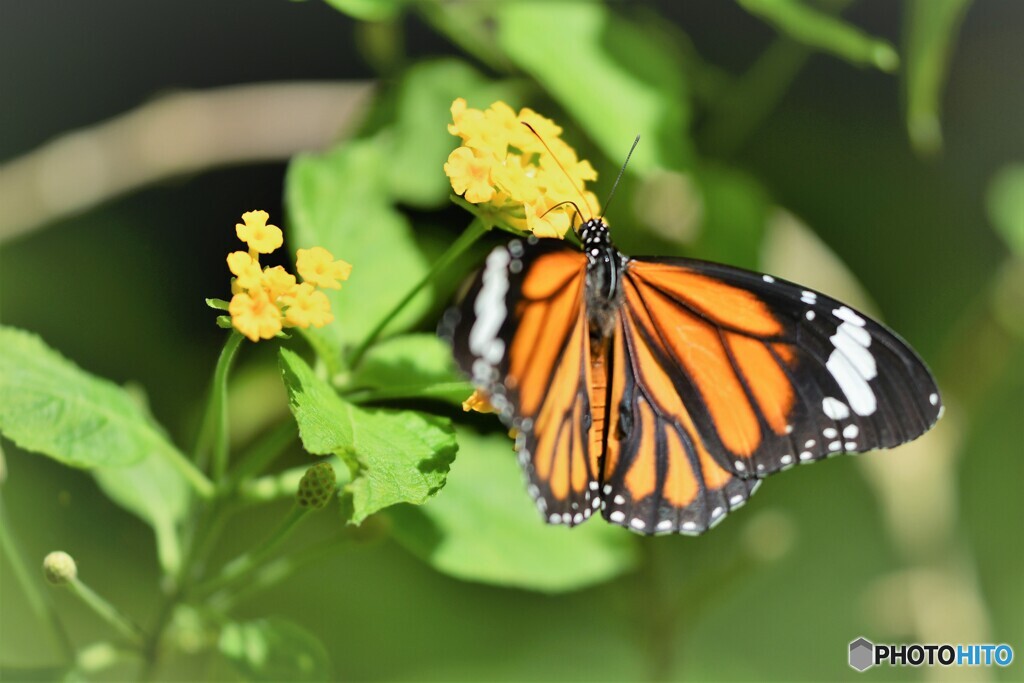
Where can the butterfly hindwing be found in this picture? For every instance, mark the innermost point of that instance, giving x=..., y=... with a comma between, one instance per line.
x=772, y=373
x=522, y=334
x=658, y=475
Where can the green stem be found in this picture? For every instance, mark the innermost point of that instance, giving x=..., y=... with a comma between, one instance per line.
x=242, y=565
x=441, y=390
x=107, y=612
x=274, y=572
x=265, y=451
x=38, y=600
x=469, y=237
x=215, y=419
x=284, y=484
x=202, y=485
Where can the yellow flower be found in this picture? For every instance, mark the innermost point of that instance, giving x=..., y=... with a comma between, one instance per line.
x=306, y=306
x=544, y=223
x=479, y=402
x=278, y=282
x=255, y=315
x=246, y=270
x=266, y=300
x=533, y=182
x=318, y=267
x=255, y=232
x=470, y=175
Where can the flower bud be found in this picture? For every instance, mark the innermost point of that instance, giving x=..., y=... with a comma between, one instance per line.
x=59, y=568
x=317, y=486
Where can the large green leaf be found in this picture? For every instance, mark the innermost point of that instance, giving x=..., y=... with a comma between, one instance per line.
x=616, y=79
x=931, y=28
x=817, y=29
x=155, y=492
x=274, y=649
x=51, y=406
x=484, y=527
x=411, y=365
x=394, y=456
x=338, y=200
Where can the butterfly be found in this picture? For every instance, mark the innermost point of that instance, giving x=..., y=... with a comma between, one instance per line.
x=660, y=391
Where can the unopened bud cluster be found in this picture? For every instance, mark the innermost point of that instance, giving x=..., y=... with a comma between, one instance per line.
x=317, y=486
x=59, y=568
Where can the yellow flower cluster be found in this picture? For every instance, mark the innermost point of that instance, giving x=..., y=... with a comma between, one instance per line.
x=266, y=300
x=501, y=163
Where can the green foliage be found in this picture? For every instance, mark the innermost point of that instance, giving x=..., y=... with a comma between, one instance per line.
x=931, y=28
x=339, y=200
x=49, y=405
x=274, y=649
x=411, y=365
x=823, y=32
x=484, y=527
x=394, y=456
x=156, y=493
x=1005, y=203
x=604, y=59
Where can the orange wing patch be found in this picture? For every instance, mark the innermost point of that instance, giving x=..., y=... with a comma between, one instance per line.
x=717, y=333
x=551, y=381
x=658, y=474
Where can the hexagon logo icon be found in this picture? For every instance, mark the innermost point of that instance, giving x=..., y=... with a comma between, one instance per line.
x=862, y=654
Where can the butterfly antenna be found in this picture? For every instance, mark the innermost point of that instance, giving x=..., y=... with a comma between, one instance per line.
x=621, y=171
x=571, y=181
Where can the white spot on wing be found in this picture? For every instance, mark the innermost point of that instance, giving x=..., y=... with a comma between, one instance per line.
x=851, y=431
x=489, y=308
x=618, y=516
x=829, y=433
x=844, y=313
x=768, y=278
x=834, y=408
x=934, y=399
x=810, y=315
x=854, y=385
x=637, y=523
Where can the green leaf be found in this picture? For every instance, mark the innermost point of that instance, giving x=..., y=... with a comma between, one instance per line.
x=369, y=10
x=338, y=200
x=586, y=58
x=421, y=141
x=931, y=28
x=394, y=456
x=274, y=649
x=825, y=33
x=157, y=493
x=411, y=365
x=484, y=527
x=1005, y=204
x=49, y=405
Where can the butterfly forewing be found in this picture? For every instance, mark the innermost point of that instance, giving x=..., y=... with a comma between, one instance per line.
x=776, y=374
x=522, y=334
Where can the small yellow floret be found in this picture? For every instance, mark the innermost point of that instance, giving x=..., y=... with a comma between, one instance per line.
x=255, y=315
x=246, y=270
x=307, y=306
x=479, y=402
x=470, y=175
x=255, y=232
x=278, y=282
x=318, y=267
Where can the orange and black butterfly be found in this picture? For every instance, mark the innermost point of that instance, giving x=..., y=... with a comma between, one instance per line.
x=660, y=391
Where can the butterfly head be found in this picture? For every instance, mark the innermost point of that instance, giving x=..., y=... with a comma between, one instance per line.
x=594, y=234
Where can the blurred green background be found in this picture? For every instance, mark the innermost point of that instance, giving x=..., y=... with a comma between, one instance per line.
x=773, y=137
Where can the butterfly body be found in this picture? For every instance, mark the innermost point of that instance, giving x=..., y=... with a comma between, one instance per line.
x=661, y=391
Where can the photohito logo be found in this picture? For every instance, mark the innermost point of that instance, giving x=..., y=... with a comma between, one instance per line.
x=864, y=654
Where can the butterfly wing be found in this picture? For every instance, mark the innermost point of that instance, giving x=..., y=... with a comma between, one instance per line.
x=658, y=474
x=522, y=334
x=771, y=373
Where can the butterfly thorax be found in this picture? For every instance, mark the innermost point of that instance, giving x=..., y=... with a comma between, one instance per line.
x=604, y=273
